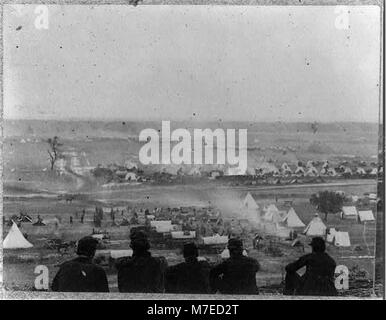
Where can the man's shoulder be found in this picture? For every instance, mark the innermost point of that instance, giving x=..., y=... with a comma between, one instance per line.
x=204, y=264
x=329, y=258
x=177, y=267
x=243, y=259
x=308, y=256
x=79, y=263
x=71, y=263
x=123, y=262
x=148, y=260
x=251, y=261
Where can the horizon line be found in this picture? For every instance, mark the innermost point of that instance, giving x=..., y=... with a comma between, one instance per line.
x=189, y=120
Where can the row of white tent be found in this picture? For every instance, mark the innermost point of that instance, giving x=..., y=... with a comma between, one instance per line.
x=272, y=213
x=309, y=170
x=351, y=212
x=316, y=227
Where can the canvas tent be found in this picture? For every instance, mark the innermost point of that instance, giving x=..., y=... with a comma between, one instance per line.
x=349, y=212
x=225, y=254
x=234, y=171
x=342, y=239
x=300, y=171
x=194, y=172
x=292, y=220
x=312, y=172
x=331, y=234
x=216, y=239
x=315, y=228
x=366, y=215
x=163, y=226
x=183, y=234
x=272, y=214
x=130, y=176
x=285, y=168
x=250, y=203
x=15, y=239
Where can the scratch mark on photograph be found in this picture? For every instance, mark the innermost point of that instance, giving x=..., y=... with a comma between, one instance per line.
x=218, y=150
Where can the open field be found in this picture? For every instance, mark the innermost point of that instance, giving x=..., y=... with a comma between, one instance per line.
x=19, y=268
x=32, y=188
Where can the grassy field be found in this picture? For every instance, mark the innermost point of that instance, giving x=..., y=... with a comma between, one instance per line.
x=19, y=266
x=32, y=188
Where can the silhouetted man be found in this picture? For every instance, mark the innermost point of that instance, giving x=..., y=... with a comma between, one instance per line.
x=237, y=274
x=191, y=276
x=81, y=274
x=318, y=280
x=141, y=272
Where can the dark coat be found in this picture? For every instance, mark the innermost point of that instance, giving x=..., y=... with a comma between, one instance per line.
x=142, y=273
x=236, y=275
x=80, y=275
x=318, y=279
x=188, y=277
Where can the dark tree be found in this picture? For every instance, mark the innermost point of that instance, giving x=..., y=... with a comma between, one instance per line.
x=53, y=151
x=315, y=127
x=327, y=202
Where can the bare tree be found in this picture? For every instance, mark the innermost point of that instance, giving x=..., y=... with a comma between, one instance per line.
x=53, y=151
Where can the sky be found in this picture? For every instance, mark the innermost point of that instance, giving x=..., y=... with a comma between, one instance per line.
x=201, y=63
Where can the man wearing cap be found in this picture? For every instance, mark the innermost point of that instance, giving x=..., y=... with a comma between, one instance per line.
x=318, y=279
x=81, y=274
x=141, y=272
x=191, y=276
x=237, y=274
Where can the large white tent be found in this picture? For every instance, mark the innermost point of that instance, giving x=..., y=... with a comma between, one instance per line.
x=292, y=220
x=316, y=227
x=250, y=203
x=272, y=214
x=349, y=212
x=331, y=234
x=216, y=239
x=15, y=239
x=163, y=226
x=366, y=215
x=342, y=239
x=183, y=234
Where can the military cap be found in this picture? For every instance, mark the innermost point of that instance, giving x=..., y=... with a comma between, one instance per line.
x=87, y=246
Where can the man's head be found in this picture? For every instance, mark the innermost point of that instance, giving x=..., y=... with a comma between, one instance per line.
x=139, y=242
x=190, y=250
x=87, y=246
x=235, y=247
x=318, y=244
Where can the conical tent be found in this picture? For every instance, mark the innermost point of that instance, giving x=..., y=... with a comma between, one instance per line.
x=272, y=214
x=250, y=203
x=15, y=239
x=292, y=220
x=315, y=228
